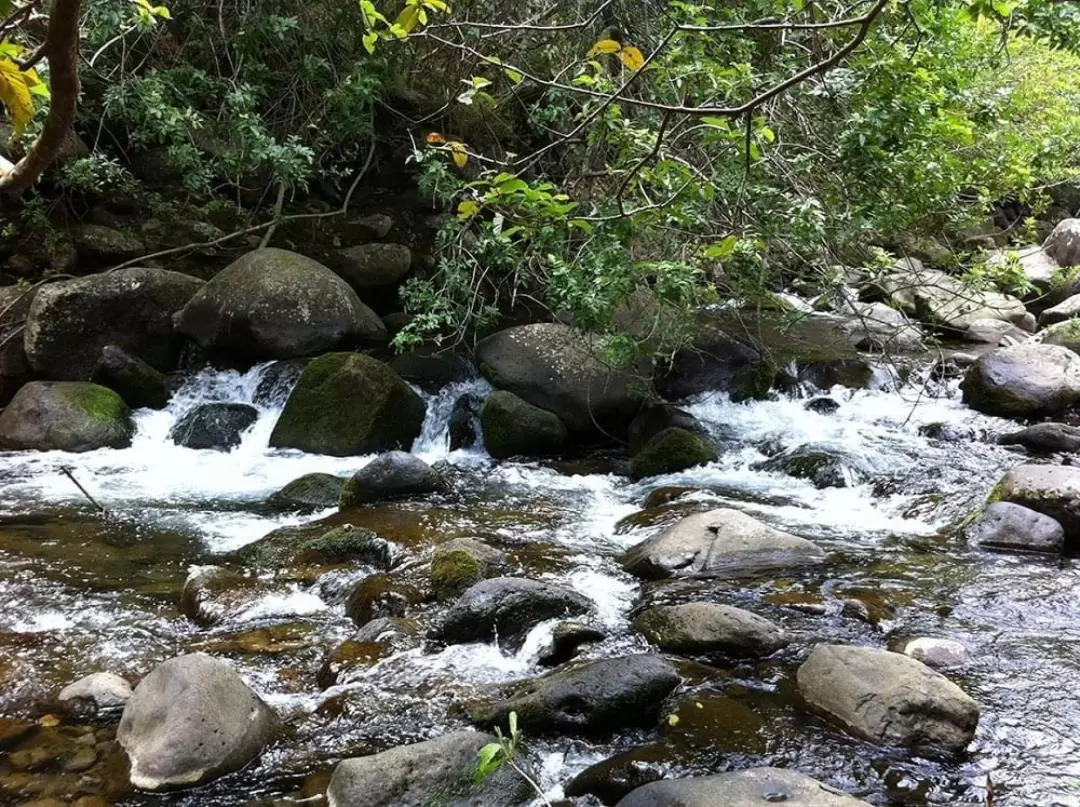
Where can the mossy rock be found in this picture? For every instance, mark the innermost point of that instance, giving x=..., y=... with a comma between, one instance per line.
x=65, y=416
x=460, y=563
x=348, y=542
x=514, y=427
x=380, y=596
x=308, y=493
x=347, y=404
x=670, y=451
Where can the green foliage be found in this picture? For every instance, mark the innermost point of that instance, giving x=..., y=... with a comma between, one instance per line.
x=494, y=755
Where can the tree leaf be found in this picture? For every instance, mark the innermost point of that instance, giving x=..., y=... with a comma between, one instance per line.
x=467, y=209
x=633, y=58
x=15, y=95
x=605, y=46
x=461, y=157
x=407, y=20
x=513, y=75
x=369, y=41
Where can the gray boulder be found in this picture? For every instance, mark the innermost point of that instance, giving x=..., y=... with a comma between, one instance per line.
x=436, y=771
x=370, y=265
x=596, y=697
x=393, y=475
x=217, y=426
x=1063, y=243
x=465, y=421
x=69, y=323
x=512, y=427
x=275, y=304
x=15, y=369
x=749, y=788
x=192, y=720
x=888, y=698
x=824, y=467
x=139, y=384
x=309, y=493
x=1045, y=438
x=65, y=416
x=702, y=628
x=1039, y=268
x=100, y=243
x=878, y=327
x=1004, y=525
x=719, y=543
x=1065, y=334
x=995, y=332
x=507, y=608
x=346, y=404
x=1023, y=380
x=101, y=692
x=941, y=654
x=1053, y=490
x=1065, y=310
x=556, y=368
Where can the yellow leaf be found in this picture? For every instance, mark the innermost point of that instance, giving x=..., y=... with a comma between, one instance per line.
x=633, y=58
x=673, y=720
x=408, y=18
x=467, y=209
x=605, y=46
x=435, y=139
x=461, y=158
x=49, y=721
x=15, y=95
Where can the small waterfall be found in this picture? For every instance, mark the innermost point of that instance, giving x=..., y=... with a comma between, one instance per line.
x=434, y=439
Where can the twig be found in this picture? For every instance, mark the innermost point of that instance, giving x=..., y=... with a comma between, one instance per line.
x=66, y=471
x=277, y=216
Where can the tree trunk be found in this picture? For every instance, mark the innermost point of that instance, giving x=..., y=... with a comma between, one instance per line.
x=62, y=51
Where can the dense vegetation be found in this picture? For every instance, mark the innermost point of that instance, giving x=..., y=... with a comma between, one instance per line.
x=584, y=151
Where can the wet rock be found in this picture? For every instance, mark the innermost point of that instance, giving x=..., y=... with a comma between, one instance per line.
x=947, y=432
x=275, y=304
x=567, y=640
x=1023, y=380
x=347, y=542
x=657, y=418
x=368, y=265
x=212, y=594
x=704, y=628
x=277, y=382
x=1008, y=526
x=716, y=361
x=347, y=404
x=670, y=451
x=887, y=698
x=507, y=608
x=592, y=698
x=995, y=332
x=436, y=771
x=99, y=243
x=879, y=327
x=379, y=596
x=556, y=368
x=1063, y=243
x=513, y=427
x=1053, y=490
x=431, y=370
x=748, y=788
x=1045, y=438
x=373, y=642
x=139, y=384
x=941, y=654
x=465, y=421
x=719, y=543
x=824, y=467
x=192, y=720
x=611, y=779
x=1065, y=310
x=217, y=426
x=309, y=493
x=14, y=367
x=822, y=405
x=70, y=322
x=65, y=416
x=461, y=563
x=97, y=692
x=393, y=475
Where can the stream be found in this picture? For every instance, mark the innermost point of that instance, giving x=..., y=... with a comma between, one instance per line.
x=81, y=592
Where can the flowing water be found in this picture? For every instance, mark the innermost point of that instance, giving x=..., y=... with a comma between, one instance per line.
x=80, y=592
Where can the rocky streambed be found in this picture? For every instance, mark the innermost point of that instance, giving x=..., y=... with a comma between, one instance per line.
x=629, y=643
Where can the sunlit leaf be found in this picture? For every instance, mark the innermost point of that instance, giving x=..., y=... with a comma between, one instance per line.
x=461, y=157
x=467, y=209
x=673, y=720
x=369, y=41
x=513, y=75
x=722, y=249
x=633, y=58
x=605, y=46
x=15, y=95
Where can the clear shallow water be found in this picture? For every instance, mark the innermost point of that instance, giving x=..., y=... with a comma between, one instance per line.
x=79, y=593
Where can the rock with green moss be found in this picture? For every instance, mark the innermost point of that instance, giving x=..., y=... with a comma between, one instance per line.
x=347, y=404
x=460, y=563
x=823, y=466
x=380, y=596
x=308, y=493
x=513, y=427
x=65, y=416
x=348, y=542
x=670, y=451
x=1053, y=490
x=1023, y=380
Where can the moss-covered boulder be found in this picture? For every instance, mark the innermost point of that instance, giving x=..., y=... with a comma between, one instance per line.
x=344, y=543
x=65, y=416
x=670, y=451
x=514, y=427
x=308, y=493
x=347, y=404
x=276, y=304
x=380, y=596
x=460, y=563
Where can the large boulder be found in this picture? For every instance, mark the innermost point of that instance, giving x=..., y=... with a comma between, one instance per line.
x=1023, y=380
x=347, y=404
x=97, y=243
x=1062, y=312
x=1040, y=270
x=276, y=304
x=671, y=451
x=657, y=418
x=439, y=771
x=749, y=788
x=719, y=543
x=507, y=608
x=393, y=475
x=703, y=628
x=136, y=381
x=309, y=493
x=69, y=323
x=887, y=697
x=716, y=361
x=15, y=369
x=65, y=416
x=368, y=265
x=823, y=466
x=1063, y=243
x=514, y=427
x=1004, y=525
x=591, y=698
x=1045, y=438
x=1053, y=490
x=461, y=563
x=218, y=426
x=878, y=327
x=192, y=720
x=1065, y=334
x=556, y=368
